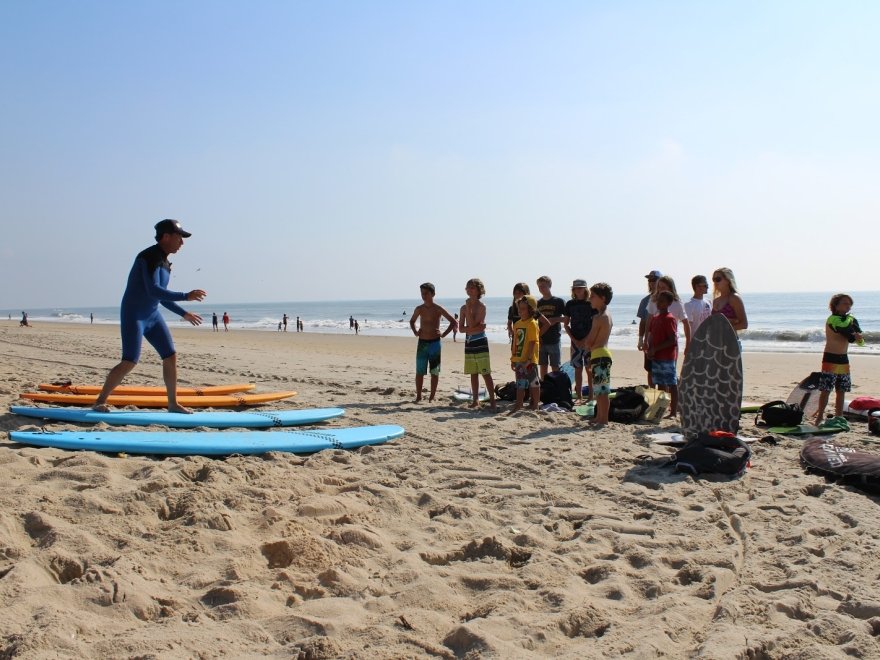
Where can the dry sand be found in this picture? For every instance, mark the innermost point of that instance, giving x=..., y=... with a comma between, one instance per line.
x=475, y=535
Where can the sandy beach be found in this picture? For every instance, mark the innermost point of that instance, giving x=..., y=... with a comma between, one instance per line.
x=475, y=535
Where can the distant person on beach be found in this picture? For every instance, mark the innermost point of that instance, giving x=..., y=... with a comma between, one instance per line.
x=297, y=324
x=727, y=301
x=139, y=313
x=24, y=320
x=357, y=327
x=225, y=322
x=520, y=289
x=91, y=318
x=643, y=316
x=428, y=350
x=455, y=332
x=524, y=354
x=215, y=323
x=841, y=330
x=697, y=309
x=476, y=344
x=666, y=283
x=279, y=326
x=662, y=348
x=552, y=309
x=596, y=344
x=351, y=323
x=284, y=321
x=578, y=323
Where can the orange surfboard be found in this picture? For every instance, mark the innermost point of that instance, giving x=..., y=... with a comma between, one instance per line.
x=149, y=390
x=216, y=401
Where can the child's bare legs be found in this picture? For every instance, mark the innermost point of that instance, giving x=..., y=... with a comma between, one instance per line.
x=578, y=384
x=435, y=379
x=490, y=387
x=602, y=405
x=535, y=393
x=820, y=411
x=673, y=400
x=589, y=383
x=420, y=381
x=518, y=404
x=475, y=390
x=838, y=403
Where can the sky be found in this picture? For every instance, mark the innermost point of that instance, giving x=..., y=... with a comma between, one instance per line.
x=352, y=150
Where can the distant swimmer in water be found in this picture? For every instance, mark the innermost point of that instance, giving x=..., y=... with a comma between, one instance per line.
x=139, y=313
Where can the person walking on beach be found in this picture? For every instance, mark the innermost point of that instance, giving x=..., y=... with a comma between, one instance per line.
x=284, y=321
x=841, y=329
x=553, y=310
x=91, y=318
x=139, y=315
x=476, y=344
x=643, y=316
x=524, y=354
x=357, y=327
x=24, y=320
x=214, y=322
x=596, y=344
x=428, y=350
x=225, y=322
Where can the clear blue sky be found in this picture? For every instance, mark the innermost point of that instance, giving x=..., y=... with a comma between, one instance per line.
x=351, y=150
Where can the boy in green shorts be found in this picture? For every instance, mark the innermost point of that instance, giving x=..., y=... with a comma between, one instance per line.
x=428, y=350
x=476, y=344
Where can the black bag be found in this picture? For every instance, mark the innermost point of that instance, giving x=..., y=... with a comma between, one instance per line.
x=506, y=392
x=716, y=452
x=873, y=422
x=627, y=406
x=779, y=413
x=556, y=388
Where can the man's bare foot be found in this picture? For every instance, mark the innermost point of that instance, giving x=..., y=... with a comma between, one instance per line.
x=101, y=407
x=474, y=404
x=594, y=424
x=179, y=409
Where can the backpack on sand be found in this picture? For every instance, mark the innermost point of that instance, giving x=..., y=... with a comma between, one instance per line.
x=779, y=413
x=627, y=405
x=716, y=452
x=506, y=392
x=556, y=388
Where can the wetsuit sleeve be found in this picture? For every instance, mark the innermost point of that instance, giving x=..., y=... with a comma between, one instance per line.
x=153, y=287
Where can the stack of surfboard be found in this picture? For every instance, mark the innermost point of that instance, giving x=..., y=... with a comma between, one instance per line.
x=181, y=443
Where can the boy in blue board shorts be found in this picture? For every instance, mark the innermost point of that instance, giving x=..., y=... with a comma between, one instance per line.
x=428, y=349
x=663, y=349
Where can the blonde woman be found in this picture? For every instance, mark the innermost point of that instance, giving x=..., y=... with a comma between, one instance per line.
x=726, y=299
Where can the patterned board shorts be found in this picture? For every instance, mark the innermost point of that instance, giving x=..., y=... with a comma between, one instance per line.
x=580, y=357
x=476, y=354
x=527, y=376
x=428, y=357
x=829, y=382
x=601, y=368
x=663, y=372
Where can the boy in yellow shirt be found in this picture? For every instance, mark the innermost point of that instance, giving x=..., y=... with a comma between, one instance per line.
x=524, y=353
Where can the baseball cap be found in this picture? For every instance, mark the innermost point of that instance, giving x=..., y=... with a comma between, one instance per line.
x=531, y=302
x=654, y=274
x=428, y=286
x=579, y=284
x=170, y=227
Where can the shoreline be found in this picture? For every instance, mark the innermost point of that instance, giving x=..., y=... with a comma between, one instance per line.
x=473, y=535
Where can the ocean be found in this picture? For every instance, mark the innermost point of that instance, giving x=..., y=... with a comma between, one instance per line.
x=778, y=322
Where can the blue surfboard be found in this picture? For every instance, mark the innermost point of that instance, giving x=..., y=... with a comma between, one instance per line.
x=216, y=420
x=209, y=443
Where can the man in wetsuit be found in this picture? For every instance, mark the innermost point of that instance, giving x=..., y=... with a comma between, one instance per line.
x=139, y=313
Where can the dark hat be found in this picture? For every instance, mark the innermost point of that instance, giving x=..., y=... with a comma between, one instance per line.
x=429, y=287
x=170, y=227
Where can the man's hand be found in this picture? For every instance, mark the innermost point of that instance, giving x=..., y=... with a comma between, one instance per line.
x=195, y=319
x=196, y=294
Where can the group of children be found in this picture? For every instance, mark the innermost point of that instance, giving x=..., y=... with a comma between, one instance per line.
x=533, y=326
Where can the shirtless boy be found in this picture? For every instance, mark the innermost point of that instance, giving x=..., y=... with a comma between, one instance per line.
x=597, y=345
x=476, y=344
x=841, y=329
x=428, y=350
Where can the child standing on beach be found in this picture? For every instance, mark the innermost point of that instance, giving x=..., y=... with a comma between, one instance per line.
x=596, y=344
x=552, y=311
x=841, y=329
x=428, y=350
x=578, y=322
x=663, y=348
x=697, y=309
x=476, y=344
x=524, y=354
